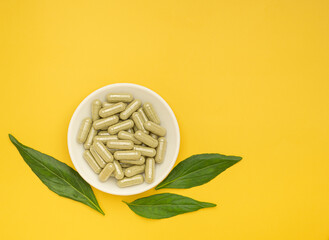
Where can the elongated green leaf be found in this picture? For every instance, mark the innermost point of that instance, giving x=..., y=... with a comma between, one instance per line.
x=165, y=205
x=57, y=176
x=197, y=170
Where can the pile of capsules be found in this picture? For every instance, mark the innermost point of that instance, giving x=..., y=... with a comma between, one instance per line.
x=123, y=139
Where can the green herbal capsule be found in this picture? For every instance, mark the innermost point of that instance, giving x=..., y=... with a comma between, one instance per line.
x=119, y=97
x=103, y=133
x=127, y=155
x=121, y=126
x=106, y=104
x=84, y=130
x=128, y=136
x=145, y=151
x=155, y=128
x=120, y=144
x=131, y=108
x=150, y=113
x=118, y=174
x=146, y=139
x=111, y=110
x=134, y=170
x=95, y=107
x=161, y=150
x=140, y=161
x=105, y=122
x=105, y=138
x=149, y=170
x=139, y=122
x=106, y=172
x=103, y=151
x=91, y=161
x=96, y=156
x=113, y=150
x=154, y=136
x=143, y=115
x=130, y=130
x=131, y=181
x=90, y=138
x=125, y=165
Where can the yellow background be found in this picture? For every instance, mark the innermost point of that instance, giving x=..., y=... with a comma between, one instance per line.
x=247, y=78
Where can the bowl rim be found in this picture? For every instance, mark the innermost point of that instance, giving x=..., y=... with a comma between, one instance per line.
x=95, y=93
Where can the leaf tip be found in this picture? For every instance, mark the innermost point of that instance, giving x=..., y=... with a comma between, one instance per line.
x=101, y=211
x=11, y=137
x=209, y=205
x=236, y=159
x=13, y=140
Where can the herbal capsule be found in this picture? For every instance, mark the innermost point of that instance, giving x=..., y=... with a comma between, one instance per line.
x=128, y=136
x=131, y=181
x=104, y=128
x=149, y=170
x=96, y=105
x=91, y=161
x=125, y=165
x=84, y=130
x=131, y=108
x=130, y=130
x=127, y=155
x=118, y=174
x=121, y=126
x=103, y=151
x=111, y=110
x=105, y=122
x=150, y=113
x=105, y=138
x=140, y=161
x=161, y=150
x=154, y=136
x=119, y=97
x=134, y=170
x=155, y=128
x=145, y=151
x=120, y=144
x=139, y=123
x=142, y=113
x=106, y=104
x=96, y=156
x=112, y=150
x=103, y=133
x=106, y=172
x=90, y=138
x=146, y=139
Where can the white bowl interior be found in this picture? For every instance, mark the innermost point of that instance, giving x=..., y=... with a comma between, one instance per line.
x=168, y=120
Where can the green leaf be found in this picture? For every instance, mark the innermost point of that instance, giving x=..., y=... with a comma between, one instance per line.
x=165, y=205
x=197, y=170
x=57, y=176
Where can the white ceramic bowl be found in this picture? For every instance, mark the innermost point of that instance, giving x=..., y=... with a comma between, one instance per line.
x=168, y=120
